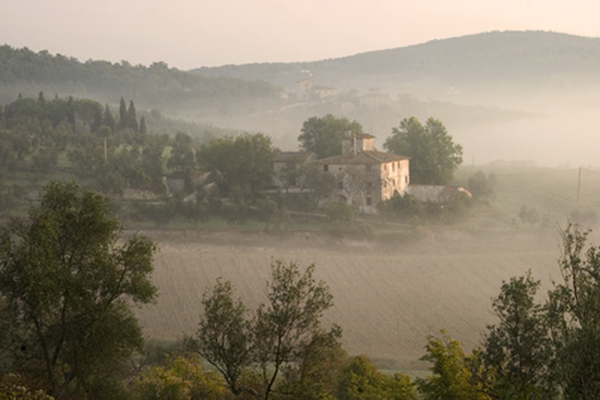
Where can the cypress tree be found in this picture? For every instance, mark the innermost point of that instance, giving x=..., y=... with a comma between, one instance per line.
x=97, y=122
x=131, y=118
x=143, y=127
x=108, y=119
x=122, y=114
x=70, y=111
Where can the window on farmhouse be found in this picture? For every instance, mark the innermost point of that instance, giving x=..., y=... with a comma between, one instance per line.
x=325, y=167
x=369, y=201
x=368, y=167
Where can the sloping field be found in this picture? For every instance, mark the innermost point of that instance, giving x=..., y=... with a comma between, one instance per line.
x=388, y=298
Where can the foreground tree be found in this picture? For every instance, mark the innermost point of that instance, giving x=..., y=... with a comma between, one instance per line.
x=224, y=336
x=360, y=379
x=574, y=315
x=323, y=135
x=178, y=378
x=284, y=338
x=68, y=280
x=290, y=320
x=452, y=377
x=518, y=349
x=434, y=156
x=317, y=372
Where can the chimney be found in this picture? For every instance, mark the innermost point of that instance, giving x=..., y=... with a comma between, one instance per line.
x=347, y=143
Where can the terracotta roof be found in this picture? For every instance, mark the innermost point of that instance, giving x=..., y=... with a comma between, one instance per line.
x=364, y=157
x=285, y=156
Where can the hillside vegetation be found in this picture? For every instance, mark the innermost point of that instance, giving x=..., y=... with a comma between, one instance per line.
x=157, y=86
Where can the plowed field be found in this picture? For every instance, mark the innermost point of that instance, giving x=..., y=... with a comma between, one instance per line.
x=388, y=298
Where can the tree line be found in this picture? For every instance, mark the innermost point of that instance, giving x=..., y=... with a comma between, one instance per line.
x=157, y=84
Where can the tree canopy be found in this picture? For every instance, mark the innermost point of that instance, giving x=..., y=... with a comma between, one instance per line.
x=518, y=348
x=434, y=155
x=323, y=135
x=284, y=336
x=68, y=279
x=242, y=163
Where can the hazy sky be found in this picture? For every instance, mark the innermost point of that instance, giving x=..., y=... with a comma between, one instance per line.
x=192, y=33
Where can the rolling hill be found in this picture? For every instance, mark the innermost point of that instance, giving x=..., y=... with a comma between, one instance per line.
x=25, y=72
x=506, y=62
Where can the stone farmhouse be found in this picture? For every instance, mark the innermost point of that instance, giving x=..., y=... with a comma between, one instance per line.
x=364, y=175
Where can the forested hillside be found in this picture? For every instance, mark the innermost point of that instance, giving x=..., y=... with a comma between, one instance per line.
x=27, y=72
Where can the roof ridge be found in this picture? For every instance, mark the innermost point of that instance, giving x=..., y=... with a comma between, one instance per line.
x=368, y=154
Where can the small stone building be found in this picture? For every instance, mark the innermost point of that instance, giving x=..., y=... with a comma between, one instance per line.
x=364, y=175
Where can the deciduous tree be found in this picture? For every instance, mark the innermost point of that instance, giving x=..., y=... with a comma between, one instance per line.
x=282, y=338
x=224, y=335
x=243, y=162
x=434, y=155
x=360, y=380
x=290, y=319
x=182, y=153
x=180, y=378
x=574, y=315
x=518, y=348
x=323, y=135
x=69, y=279
x=451, y=378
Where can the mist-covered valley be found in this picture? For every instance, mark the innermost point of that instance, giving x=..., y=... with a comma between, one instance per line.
x=523, y=106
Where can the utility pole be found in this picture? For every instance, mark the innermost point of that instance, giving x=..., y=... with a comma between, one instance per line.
x=578, y=185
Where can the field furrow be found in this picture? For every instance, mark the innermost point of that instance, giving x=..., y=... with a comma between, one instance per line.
x=387, y=302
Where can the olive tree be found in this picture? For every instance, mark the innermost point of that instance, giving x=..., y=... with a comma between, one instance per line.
x=69, y=279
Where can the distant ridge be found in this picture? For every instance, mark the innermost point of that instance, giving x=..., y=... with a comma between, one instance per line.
x=509, y=59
